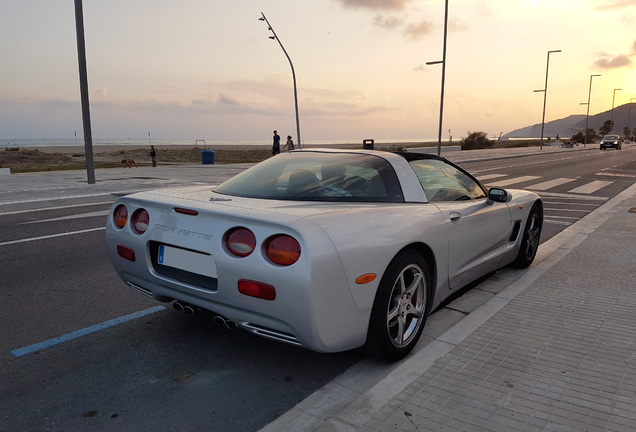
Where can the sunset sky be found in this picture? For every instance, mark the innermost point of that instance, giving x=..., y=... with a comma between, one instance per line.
x=205, y=69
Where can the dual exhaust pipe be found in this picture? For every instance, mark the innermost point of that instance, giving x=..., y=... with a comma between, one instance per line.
x=188, y=309
x=184, y=307
x=223, y=322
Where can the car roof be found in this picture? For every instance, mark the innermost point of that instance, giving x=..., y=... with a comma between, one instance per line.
x=382, y=153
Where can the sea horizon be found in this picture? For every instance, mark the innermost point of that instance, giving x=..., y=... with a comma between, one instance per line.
x=65, y=142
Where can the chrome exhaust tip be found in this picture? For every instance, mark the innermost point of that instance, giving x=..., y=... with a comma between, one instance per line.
x=219, y=320
x=231, y=325
x=184, y=307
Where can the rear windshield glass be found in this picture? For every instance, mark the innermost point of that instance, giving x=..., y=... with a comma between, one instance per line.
x=318, y=176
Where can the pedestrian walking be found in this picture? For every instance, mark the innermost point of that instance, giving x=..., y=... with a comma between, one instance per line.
x=153, y=155
x=276, y=144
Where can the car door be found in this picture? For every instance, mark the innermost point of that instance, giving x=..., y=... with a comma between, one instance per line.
x=477, y=228
x=477, y=238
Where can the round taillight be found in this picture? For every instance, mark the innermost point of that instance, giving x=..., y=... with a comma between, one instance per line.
x=240, y=241
x=120, y=216
x=140, y=220
x=282, y=249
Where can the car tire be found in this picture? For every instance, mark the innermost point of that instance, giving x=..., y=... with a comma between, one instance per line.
x=400, y=308
x=531, y=238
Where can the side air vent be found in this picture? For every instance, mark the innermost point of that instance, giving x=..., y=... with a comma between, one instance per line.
x=515, y=231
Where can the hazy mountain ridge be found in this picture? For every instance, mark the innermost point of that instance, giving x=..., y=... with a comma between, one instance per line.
x=568, y=126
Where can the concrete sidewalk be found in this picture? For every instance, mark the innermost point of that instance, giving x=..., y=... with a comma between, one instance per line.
x=555, y=350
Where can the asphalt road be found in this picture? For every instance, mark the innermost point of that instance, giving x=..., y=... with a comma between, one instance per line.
x=166, y=371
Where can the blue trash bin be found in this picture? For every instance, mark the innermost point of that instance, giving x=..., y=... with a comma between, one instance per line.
x=207, y=157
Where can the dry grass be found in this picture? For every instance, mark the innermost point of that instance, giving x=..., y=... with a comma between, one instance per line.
x=25, y=160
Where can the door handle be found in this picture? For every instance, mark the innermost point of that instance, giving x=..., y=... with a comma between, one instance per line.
x=455, y=217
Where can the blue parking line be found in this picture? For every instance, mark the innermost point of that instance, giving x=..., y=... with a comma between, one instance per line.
x=88, y=330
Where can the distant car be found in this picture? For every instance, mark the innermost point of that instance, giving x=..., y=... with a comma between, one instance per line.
x=325, y=249
x=611, y=141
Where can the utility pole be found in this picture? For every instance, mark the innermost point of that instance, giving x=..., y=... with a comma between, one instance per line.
x=83, y=76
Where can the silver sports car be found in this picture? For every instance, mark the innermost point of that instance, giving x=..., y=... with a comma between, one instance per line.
x=324, y=249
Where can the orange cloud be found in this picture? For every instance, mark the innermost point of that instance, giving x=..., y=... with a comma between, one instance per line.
x=375, y=4
x=617, y=62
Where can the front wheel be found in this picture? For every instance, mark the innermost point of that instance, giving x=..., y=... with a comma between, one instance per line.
x=530, y=240
x=400, y=307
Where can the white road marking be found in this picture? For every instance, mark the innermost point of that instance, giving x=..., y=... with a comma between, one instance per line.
x=616, y=175
x=509, y=181
x=490, y=176
x=77, y=216
x=550, y=184
x=591, y=187
x=51, y=236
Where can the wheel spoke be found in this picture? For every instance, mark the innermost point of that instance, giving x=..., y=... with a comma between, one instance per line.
x=417, y=313
x=415, y=285
x=399, y=338
x=393, y=313
x=402, y=285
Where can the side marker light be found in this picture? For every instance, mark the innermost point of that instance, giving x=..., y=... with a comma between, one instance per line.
x=366, y=278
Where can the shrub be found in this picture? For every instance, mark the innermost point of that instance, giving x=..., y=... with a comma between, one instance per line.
x=578, y=137
x=476, y=140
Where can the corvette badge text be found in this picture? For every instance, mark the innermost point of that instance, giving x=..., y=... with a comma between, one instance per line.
x=183, y=232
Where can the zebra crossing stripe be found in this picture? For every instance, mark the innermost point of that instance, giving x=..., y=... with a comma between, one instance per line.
x=509, y=181
x=591, y=187
x=550, y=184
x=587, y=188
x=490, y=176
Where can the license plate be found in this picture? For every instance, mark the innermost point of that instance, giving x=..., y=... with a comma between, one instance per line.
x=193, y=262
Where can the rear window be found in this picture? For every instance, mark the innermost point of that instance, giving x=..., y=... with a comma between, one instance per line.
x=318, y=176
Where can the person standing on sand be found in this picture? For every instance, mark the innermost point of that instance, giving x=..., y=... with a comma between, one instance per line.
x=289, y=145
x=153, y=155
x=276, y=145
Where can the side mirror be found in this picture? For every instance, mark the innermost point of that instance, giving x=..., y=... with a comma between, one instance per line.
x=498, y=195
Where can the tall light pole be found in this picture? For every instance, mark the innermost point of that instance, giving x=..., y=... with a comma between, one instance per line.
x=545, y=94
x=443, y=62
x=587, y=115
x=612, y=114
x=275, y=37
x=83, y=77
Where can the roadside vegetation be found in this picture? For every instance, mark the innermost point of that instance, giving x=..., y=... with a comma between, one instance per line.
x=21, y=160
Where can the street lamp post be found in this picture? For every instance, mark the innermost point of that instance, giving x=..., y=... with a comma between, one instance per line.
x=275, y=37
x=83, y=77
x=587, y=115
x=443, y=62
x=545, y=94
x=612, y=113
